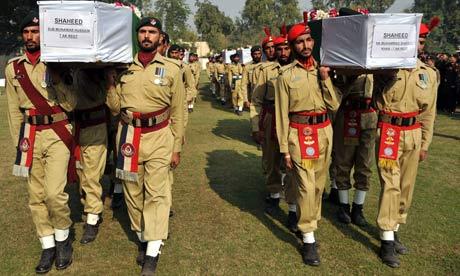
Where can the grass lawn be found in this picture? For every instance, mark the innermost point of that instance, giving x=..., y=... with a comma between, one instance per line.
x=219, y=227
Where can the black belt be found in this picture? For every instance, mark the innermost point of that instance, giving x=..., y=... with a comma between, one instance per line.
x=144, y=122
x=40, y=120
x=307, y=119
x=398, y=121
x=358, y=104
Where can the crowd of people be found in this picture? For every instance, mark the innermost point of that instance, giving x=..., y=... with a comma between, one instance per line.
x=310, y=121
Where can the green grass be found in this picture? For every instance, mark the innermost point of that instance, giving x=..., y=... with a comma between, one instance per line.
x=219, y=227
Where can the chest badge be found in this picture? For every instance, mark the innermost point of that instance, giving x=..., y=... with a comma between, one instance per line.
x=159, y=75
x=423, y=79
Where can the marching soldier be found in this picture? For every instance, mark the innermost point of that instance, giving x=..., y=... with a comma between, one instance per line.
x=38, y=99
x=354, y=141
x=406, y=102
x=196, y=68
x=263, y=110
x=90, y=131
x=210, y=68
x=303, y=95
x=150, y=97
x=249, y=78
x=188, y=79
x=234, y=76
x=219, y=73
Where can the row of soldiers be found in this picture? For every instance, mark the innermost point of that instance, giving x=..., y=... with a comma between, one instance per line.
x=304, y=114
x=59, y=118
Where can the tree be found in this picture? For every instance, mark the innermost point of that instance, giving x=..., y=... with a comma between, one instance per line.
x=173, y=15
x=373, y=5
x=213, y=25
x=445, y=38
x=11, y=15
x=287, y=12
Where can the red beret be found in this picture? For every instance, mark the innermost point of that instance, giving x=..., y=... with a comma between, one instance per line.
x=424, y=31
x=298, y=30
x=283, y=38
x=268, y=36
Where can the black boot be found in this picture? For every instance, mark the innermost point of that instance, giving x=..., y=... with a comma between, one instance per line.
x=117, y=201
x=334, y=196
x=90, y=232
x=150, y=265
x=141, y=249
x=171, y=213
x=399, y=247
x=344, y=213
x=272, y=205
x=357, y=216
x=310, y=254
x=46, y=260
x=292, y=222
x=63, y=254
x=388, y=254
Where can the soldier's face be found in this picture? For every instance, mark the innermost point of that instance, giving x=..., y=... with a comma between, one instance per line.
x=256, y=56
x=421, y=44
x=283, y=52
x=31, y=38
x=236, y=59
x=269, y=50
x=174, y=54
x=148, y=38
x=303, y=45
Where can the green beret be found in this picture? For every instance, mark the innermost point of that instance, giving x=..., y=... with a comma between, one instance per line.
x=30, y=20
x=149, y=21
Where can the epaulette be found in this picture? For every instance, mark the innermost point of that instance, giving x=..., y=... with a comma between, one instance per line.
x=13, y=59
x=266, y=65
x=286, y=67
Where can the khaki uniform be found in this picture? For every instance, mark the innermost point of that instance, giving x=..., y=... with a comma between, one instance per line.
x=48, y=173
x=196, y=70
x=301, y=90
x=211, y=67
x=92, y=138
x=234, y=76
x=190, y=90
x=405, y=92
x=357, y=151
x=262, y=113
x=249, y=80
x=140, y=90
x=219, y=76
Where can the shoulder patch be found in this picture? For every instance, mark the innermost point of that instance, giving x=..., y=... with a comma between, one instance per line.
x=286, y=68
x=13, y=59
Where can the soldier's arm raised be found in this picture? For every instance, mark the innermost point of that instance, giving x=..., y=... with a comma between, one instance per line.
x=330, y=95
x=113, y=91
x=66, y=89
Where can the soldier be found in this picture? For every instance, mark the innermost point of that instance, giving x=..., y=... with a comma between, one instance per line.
x=210, y=68
x=219, y=73
x=38, y=99
x=354, y=141
x=150, y=97
x=90, y=131
x=303, y=95
x=406, y=102
x=164, y=44
x=234, y=76
x=263, y=111
x=195, y=67
x=249, y=80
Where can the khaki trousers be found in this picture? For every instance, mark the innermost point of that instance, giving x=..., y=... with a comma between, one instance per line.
x=348, y=156
x=397, y=184
x=46, y=183
x=149, y=199
x=93, y=147
x=271, y=157
x=237, y=95
x=310, y=182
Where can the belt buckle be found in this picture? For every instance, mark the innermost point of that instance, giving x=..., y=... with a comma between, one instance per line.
x=315, y=120
x=399, y=121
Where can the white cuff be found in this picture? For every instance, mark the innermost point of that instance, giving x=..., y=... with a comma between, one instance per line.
x=343, y=197
x=92, y=219
x=308, y=237
x=153, y=248
x=61, y=234
x=387, y=236
x=360, y=196
x=275, y=195
x=140, y=236
x=292, y=208
x=47, y=242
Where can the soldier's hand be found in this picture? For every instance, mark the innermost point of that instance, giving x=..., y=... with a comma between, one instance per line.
x=324, y=72
x=175, y=160
x=288, y=161
x=110, y=77
x=423, y=155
